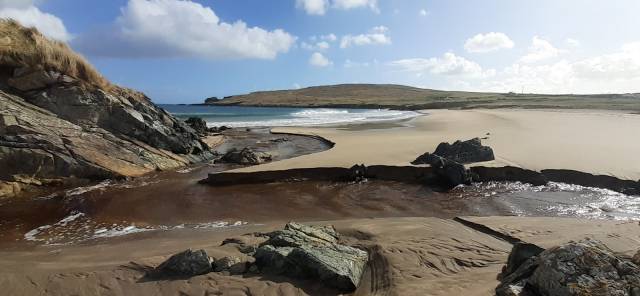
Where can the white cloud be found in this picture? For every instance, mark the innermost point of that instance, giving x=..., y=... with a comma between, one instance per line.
x=540, y=50
x=377, y=35
x=329, y=37
x=617, y=72
x=313, y=7
x=449, y=65
x=174, y=28
x=488, y=42
x=572, y=42
x=319, y=60
x=296, y=86
x=351, y=4
x=320, y=7
x=30, y=16
x=318, y=46
x=423, y=12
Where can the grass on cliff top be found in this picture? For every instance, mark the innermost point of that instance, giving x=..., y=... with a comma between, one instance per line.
x=21, y=46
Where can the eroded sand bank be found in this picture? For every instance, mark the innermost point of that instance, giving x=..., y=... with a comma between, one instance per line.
x=597, y=142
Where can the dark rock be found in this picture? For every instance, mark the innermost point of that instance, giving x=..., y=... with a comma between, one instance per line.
x=246, y=156
x=461, y=151
x=450, y=172
x=186, y=263
x=520, y=253
x=587, y=267
x=220, y=129
x=198, y=124
x=312, y=252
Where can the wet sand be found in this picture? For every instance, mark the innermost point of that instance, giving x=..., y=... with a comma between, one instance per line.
x=597, y=142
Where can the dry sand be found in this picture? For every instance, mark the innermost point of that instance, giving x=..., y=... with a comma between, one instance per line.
x=598, y=142
x=413, y=256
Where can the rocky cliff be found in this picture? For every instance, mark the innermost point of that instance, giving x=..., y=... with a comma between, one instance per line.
x=60, y=120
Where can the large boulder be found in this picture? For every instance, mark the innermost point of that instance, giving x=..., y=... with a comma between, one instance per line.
x=587, y=267
x=460, y=151
x=187, y=263
x=245, y=156
x=198, y=124
x=312, y=252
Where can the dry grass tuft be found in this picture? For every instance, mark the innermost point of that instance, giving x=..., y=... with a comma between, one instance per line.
x=21, y=46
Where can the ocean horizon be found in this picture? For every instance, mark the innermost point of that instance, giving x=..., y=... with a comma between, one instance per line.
x=240, y=116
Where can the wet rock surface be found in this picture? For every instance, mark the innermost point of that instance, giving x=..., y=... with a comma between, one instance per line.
x=312, y=252
x=587, y=267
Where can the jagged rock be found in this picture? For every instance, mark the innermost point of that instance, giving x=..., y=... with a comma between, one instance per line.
x=186, y=263
x=232, y=264
x=197, y=124
x=246, y=156
x=460, y=151
x=636, y=258
x=312, y=252
x=9, y=189
x=587, y=267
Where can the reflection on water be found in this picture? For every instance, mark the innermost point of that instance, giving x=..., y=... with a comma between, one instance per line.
x=553, y=199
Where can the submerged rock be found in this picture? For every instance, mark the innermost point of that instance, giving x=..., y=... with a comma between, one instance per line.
x=186, y=263
x=246, y=156
x=312, y=252
x=587, y=267
x=460, y=151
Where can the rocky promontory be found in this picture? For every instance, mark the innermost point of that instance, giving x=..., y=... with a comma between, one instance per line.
x=60, y=120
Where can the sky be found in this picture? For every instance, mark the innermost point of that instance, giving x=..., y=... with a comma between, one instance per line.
x=182, y=51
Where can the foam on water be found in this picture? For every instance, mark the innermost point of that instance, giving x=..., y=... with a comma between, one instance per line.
x=78, y=227
x=310, y=117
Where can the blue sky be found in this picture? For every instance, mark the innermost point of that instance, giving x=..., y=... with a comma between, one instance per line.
x=180, y=51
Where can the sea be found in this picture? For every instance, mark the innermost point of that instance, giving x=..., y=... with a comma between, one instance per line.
x=235, y=116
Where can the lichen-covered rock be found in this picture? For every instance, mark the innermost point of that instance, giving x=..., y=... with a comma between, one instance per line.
x=587, y=267
x=312, y=252
x=186, y=263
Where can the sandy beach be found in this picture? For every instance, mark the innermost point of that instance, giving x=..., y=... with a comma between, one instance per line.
x=422, y=256
x=592, y=141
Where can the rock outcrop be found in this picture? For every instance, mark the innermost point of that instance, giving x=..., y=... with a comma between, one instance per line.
x=245, y=156
x=312, y=252
x=56, y=125
x=184, y=264
x=450, y=173
x=587, y=267
x=198, y=124
x=469, y=151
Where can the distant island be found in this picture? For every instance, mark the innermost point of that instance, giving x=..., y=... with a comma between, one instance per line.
x=412, y=98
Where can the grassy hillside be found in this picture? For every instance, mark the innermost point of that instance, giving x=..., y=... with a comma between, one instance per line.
x=26, y=47
x=405, y=97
